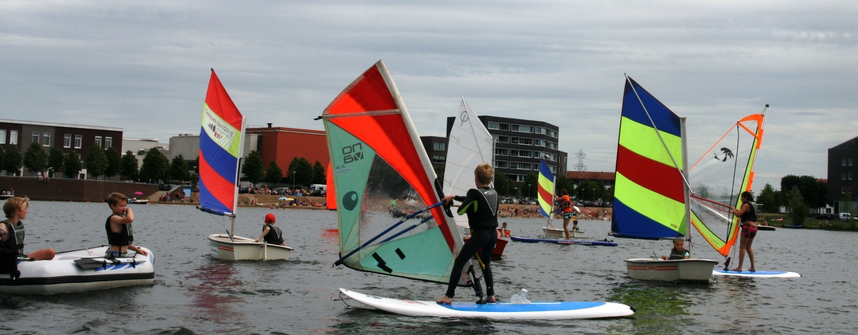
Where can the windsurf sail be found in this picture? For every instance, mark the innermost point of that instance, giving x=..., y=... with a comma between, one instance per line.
x=381, y=174
x=330, y=190
x=650, y=190
x=470, y=144
x=545, y=190
x=221, y=142
x=718, y=179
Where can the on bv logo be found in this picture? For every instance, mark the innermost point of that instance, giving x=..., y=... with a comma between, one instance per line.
x=352, y=153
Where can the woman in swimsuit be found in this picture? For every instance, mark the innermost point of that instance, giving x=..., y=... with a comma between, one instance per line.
x=747, y=214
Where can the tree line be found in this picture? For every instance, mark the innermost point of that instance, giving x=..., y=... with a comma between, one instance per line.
x=99, y=163
x=300, y=171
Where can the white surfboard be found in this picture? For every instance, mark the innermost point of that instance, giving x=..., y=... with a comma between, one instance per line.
x=756, y=274
x=498, y=311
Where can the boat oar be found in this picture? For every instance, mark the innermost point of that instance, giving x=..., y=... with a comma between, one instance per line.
x=406, y=218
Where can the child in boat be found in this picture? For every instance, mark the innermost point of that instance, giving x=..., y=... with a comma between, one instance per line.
x=118, y=227
x=678, y=251
x=270, y=233
x=12, y=230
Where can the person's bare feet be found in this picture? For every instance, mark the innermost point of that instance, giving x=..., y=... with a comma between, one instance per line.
x=737, y=269
x=444, y=300
x=491, y=299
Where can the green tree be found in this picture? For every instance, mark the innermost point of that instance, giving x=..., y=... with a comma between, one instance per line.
x=300, y=171
x=96, y=161
x=35, y=159
x=274, y=174
x=114, y=162
x=72, y=164
x=128, y=167
x=501, y=183
x=768, y=199
x=530, y=184
x=56, y=160
x=252, y=168
x=155, y=166
x=811, y=190
x=799, y=208
x=318, y=173
x=179, y=169
x=561, y=182
x=12, y=161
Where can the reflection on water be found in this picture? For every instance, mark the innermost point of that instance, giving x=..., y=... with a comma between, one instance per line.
x=210, y=297
x=659, y=307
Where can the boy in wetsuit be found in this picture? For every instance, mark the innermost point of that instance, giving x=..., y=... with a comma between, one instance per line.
x=118, y=227
x=481, y=205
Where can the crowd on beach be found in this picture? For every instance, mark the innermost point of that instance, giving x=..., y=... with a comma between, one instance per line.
x=527, y=212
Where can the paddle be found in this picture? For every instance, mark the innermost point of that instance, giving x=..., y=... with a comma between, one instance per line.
x=90, y=263
x=406, y=218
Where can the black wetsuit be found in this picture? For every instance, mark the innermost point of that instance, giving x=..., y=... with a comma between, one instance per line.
x=481, y=206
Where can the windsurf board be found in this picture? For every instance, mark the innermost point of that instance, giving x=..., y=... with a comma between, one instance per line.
x=497, y=311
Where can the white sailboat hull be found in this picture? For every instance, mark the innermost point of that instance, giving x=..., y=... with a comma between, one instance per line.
x=558, y=233
x=245, y=249
x=695, y=269
x=63, y=275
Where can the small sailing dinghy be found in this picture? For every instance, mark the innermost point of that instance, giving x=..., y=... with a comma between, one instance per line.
x=470, y=144
x=75, y=271
x=377, y=157
x=221, y=145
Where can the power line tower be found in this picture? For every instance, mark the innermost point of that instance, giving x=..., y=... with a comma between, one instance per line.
x=580, y=166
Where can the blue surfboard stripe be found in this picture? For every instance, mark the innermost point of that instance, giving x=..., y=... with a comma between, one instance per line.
x=531, y=307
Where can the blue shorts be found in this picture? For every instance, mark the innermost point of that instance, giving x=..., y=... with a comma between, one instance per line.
x=115, y=254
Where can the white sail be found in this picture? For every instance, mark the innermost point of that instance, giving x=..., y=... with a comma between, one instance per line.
x=470, y=144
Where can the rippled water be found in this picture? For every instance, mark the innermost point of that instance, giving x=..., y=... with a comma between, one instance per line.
x=194, y=294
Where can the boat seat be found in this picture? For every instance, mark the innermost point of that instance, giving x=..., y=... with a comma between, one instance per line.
x=9, y=264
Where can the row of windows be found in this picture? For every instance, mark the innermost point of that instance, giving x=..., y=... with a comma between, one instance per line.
x=44, y=138
x=849, y=161
x=521, y=166
x=846, y=175
x=522, y=128
x=525, y=141
x=525, y=153
x=13, y=137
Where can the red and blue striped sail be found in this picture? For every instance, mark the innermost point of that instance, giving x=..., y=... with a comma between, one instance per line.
x=649, y=194
x=545, y=189
x=220, y=150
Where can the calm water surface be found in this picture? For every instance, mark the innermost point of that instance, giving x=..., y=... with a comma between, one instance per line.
x=194, y=294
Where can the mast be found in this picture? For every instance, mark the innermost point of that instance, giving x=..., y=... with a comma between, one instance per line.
x=686, y=190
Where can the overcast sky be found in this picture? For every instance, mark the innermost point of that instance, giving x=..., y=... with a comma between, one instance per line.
x=144, y=65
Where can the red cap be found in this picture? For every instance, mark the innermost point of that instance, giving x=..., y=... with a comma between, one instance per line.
x=269, y=218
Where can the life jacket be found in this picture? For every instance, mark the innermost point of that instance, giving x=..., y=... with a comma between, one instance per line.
x=15, y=241
x=750, y=215
x=566, y=204
x=274, y=236
x=123, y=238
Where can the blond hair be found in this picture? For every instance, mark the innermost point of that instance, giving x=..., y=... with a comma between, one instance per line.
x=115, y=197
x=484, y=173
x=13, y=204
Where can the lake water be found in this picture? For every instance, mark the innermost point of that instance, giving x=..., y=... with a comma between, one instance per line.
x=195, y=294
